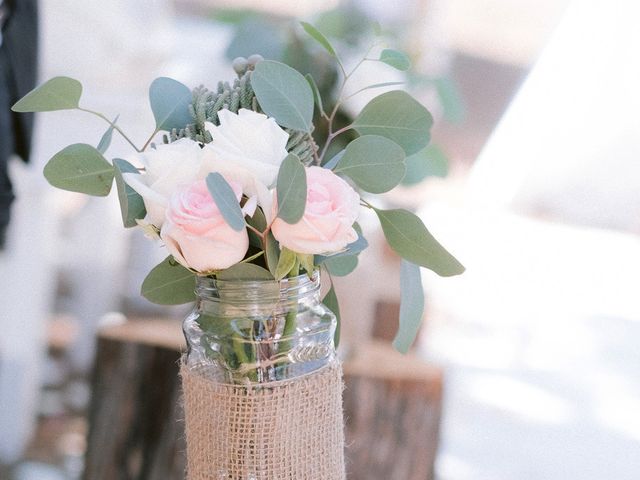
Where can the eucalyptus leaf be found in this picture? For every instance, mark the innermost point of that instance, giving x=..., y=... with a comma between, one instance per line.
x=169, y=283
x=353, y=248
x=318, y=37
x=131, y=203
x=291, y=189
x=226, y=200
x=317, y=98
x=411, y=306
x=307, y=262
x=170, y=102
x=374, y=163
x=409, y=238
x=381, y=85
x=59, y=93
x=341, y=266
x=257, y=35
x=330, y=301
x=272, y=253
x=105, y=141
x=428, y=162
x=286, y=262
x=259, y=222
x=397, y=116
x=284, y=94
x=451, y=99
x=80, y=168
x=396, y=59
x=331, y=164
x=245, y=271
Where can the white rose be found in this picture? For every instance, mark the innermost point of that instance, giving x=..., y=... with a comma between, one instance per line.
x=167, y=168
x=247, y=147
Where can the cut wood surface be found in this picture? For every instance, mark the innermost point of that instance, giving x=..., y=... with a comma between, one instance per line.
x=392, y=405
x=392, y=408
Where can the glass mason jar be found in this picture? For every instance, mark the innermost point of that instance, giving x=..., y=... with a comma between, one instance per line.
x=258, y=331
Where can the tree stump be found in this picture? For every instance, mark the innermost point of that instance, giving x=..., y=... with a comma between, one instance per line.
x=392, y=406
x=135, y=417
x=392, y=409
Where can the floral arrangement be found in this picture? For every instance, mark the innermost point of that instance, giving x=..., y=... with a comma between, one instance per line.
x=238, y=188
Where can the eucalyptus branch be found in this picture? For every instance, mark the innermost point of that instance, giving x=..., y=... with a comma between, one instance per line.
x=330, y=138
x=257, y=232
x=112, y=124
x=340, y=101
x=150, y=139
x=373, y=86
x=364, y=203
x=253, y=257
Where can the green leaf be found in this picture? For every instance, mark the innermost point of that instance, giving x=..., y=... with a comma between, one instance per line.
x=307, y=262
x=284, y=94
x=451, y=99
x=411, y=306
x=374, y=163
x=245, y=271
x=105, y=141
x=381, y=85
x=131, y=203
x=291, y=189
x=257, y=35
x=317, y=98
x=232, y=16
x=409, y=238
x=286, y=262
x=399, y=117
x=341, y=266
x=170, y=102
x=272, y=253
x=318, y=37
x=59, y=93
x=226, y=200
x=330, y=301
x=353, y=248
x=428, y=162
x=259, y=222
x=169, y=283
x=80, y=168
x=396, y=59
x=331, y=164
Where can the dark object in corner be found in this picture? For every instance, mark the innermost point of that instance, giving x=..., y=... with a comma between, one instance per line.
x=18, y=71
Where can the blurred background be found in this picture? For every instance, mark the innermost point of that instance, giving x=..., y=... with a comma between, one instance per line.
x=532, y=181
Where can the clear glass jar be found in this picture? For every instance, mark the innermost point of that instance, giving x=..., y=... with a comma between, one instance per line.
x=261, y=331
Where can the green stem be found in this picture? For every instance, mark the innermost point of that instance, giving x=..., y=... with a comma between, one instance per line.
x=253, y=257
x=333, y=135
x=150, y=139
x=115, y=127
x=339, y=102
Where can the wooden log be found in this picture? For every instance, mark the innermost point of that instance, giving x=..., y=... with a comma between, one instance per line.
x=135, y=417
x=392, y=405
x=392, y=409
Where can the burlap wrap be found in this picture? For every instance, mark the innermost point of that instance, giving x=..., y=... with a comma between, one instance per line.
x=289, y=430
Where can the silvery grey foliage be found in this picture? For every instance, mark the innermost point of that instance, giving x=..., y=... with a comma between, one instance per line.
x=233, y=96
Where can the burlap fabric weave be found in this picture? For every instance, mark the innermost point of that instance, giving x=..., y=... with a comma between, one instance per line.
x=288, y=430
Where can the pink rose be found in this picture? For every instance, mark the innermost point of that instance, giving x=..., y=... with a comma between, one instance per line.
x=197, y=235
x=327, y=225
